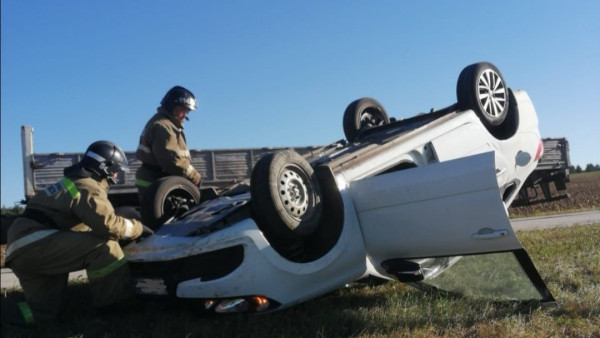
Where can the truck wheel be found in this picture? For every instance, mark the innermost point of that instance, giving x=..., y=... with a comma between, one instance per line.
x=167, y=197
x=361, y=115
x=482, y=88
x=286, y=197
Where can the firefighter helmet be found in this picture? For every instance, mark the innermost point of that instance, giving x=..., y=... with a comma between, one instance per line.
x=104, y=159
x=178, y=96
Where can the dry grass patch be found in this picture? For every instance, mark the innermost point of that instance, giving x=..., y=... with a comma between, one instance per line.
x=568, y=260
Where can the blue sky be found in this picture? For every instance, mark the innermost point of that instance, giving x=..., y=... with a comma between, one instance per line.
x=280, y=73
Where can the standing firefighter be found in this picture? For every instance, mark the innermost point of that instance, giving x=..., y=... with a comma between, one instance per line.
x=163, y=149
x=70, y=226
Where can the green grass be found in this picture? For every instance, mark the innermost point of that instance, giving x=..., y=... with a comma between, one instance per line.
x=568, y=260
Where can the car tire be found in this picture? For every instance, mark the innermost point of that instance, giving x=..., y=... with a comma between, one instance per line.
x=482, y=88
x=167, y=197
x=285, y=197
x=361, y=115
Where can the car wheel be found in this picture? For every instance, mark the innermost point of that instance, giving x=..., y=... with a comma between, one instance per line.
x=286, y=197
x=361, y=115
x=482, y=88
x=167, y=197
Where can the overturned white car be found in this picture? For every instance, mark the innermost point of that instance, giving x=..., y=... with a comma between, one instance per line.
x=421, y=200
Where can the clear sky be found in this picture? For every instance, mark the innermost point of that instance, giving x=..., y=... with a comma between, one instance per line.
x=280, y=73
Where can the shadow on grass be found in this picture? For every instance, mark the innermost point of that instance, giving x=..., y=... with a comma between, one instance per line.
x=377, y=310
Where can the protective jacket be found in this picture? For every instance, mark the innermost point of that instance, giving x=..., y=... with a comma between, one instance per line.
x=69, y=226
x=163, y=151
x=79, y=204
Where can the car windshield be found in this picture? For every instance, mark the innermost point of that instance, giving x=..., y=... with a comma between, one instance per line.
x=496, y=276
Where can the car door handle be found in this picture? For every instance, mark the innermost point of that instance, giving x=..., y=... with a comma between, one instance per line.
x=488, y=233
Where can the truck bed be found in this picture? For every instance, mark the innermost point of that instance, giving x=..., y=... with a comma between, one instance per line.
x=219, y=168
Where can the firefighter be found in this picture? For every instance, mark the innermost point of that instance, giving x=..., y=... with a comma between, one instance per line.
x=162, y=149
x=70, y=226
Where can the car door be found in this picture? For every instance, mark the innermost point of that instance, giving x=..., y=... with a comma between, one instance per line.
x=445, y=225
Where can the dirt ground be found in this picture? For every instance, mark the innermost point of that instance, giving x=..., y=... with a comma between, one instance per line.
x=3, y=255
x=582, y=193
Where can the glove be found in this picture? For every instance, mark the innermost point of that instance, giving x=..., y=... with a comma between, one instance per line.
x=197, y=180
x=195, y=177
x=146, y=231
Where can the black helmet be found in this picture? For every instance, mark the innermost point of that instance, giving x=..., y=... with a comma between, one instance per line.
x=105, y=158
x=178, y=96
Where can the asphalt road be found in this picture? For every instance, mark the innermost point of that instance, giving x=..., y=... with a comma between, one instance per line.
x=9, y=280
x=556, y=221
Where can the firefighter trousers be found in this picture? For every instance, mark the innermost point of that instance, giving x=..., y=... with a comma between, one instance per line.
x=43, y=269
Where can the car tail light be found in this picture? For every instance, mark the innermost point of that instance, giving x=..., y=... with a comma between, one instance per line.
x=260, y=303
x=540, y=150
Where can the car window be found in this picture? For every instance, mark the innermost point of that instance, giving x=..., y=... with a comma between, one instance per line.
x=496, y=276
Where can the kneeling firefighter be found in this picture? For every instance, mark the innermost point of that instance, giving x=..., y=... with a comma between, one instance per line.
x=71, y=226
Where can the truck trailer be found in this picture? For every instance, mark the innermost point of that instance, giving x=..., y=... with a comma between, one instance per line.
x=553, y=167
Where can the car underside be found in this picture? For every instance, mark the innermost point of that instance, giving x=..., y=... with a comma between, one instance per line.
x=421, y=200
